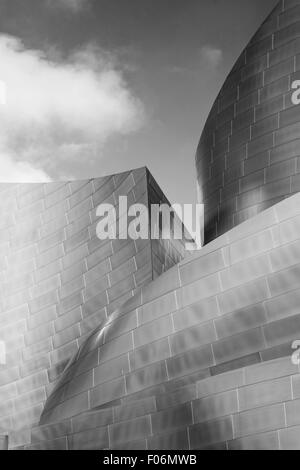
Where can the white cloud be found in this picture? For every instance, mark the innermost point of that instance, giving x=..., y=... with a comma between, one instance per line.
x=22, y=172
x=211, y=55
x=56, y=110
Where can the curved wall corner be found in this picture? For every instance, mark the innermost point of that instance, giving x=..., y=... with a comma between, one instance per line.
x=58, y=281
x=248, y=155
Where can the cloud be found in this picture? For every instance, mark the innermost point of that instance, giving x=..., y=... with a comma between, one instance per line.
x=212, y=56
x=22, y=172
x=74, y=6
x=60, y=114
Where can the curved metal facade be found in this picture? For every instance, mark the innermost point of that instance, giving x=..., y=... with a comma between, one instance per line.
x=59, y=281
x=200, y=357
x=248, y=155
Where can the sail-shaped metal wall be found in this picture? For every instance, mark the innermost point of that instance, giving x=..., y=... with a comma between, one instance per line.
x=248, y=155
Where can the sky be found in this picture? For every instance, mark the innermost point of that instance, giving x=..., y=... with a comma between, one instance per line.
x=96, y=87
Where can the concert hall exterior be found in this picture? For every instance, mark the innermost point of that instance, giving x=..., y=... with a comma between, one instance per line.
x=247, y=158
x=127, y=345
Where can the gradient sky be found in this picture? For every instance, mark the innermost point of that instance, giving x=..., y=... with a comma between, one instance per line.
x=172, y=55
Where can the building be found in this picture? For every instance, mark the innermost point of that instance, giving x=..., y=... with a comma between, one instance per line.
x=247, y=156
x=182, y=352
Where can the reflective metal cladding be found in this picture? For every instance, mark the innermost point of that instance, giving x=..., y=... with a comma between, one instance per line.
x=248, y=156
x=202, y=356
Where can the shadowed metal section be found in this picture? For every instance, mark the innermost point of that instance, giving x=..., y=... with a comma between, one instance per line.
x=248, y=155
